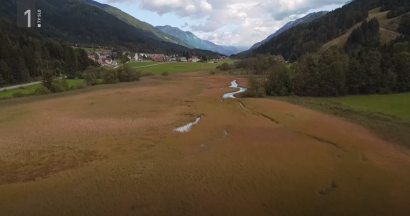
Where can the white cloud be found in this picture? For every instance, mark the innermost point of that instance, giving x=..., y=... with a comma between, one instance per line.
x=230, y=22
x=185, y=25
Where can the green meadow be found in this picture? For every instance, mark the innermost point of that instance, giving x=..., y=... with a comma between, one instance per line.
x=142, y=64
x=30, y=89
x=175, y=66
x=395, y=104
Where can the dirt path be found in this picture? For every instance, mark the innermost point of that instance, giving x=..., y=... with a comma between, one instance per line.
x=115, y=152
x=395, y=33
x=152, y=65
x=24, y=85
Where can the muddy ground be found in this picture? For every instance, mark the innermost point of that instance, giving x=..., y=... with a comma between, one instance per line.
x=114, y=152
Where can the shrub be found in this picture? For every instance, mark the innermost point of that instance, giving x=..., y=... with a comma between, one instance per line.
x=64, y=83
x=225, y=67
x=96, y=71
x=164, y=73
x=147, y=74
x=57, y=87
x=110, y=77
x=127, y=74
x=18, y=94
x=90, y=79
x=41, y=91
x=212, y=72
x=256, y=89
x=78, y=75
x=48, y=80
x=81, y=86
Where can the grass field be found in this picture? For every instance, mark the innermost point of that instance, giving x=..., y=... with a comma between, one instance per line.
x=395, y=104
x=30, y=89
x=175, y=66
x=112, y=150
x=142, y=64
x=24, y=90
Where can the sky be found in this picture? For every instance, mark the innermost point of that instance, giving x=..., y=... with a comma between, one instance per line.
x=239, y=23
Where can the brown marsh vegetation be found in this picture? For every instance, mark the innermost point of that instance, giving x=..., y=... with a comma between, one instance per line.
x=113, y=151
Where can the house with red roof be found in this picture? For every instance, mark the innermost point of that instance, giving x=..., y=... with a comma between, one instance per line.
x=91, y=57
x=160, y=58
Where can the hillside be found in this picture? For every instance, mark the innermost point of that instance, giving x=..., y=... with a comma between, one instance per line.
x=77, y=22
x=306, y=19
x=193, y=41
x=310, y=37
x=136, y=23
x=185, y=36
x=388, y=29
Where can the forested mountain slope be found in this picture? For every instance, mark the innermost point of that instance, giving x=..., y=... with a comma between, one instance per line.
x=137, y=23
x=306, y=19
x=388, y=29
x=310, y=37
x=25, y=55
x=77, y=22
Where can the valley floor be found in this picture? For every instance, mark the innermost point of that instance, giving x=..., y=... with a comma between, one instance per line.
x=114, y=151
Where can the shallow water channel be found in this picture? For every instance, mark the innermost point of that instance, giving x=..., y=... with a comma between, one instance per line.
x=188, y=127
x=234, y=85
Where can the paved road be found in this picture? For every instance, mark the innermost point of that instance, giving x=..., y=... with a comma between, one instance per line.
x=23, y=85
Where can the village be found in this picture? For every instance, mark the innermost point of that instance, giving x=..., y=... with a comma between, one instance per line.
x=109, y=59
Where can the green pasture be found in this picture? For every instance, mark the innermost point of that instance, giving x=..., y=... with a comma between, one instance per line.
x=394, y=104
x=30, y=89
x=176, y=66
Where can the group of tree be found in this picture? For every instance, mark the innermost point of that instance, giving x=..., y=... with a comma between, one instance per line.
x=123, y=58
x=122, y=74
x=395, y=7
x=26, y=56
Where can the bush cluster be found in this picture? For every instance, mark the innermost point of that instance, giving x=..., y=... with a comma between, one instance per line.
x=122, y=74
x=225, y=67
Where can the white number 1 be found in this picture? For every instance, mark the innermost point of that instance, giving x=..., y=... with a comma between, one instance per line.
x=29, y=17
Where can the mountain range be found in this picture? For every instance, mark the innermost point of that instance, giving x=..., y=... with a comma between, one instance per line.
x=89, y=23
x=193, y=41
x=306, y=19
x=136, y=23
x=165, y=33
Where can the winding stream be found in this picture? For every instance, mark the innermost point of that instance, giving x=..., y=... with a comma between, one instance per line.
x=234, y=85
x=188, y=127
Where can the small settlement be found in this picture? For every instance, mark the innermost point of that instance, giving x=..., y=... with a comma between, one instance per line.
x=108, y=59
